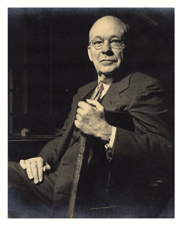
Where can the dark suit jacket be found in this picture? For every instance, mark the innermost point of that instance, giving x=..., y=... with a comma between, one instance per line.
x=141, y=157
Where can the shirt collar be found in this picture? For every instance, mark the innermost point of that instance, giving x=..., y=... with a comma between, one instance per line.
x=106, y=87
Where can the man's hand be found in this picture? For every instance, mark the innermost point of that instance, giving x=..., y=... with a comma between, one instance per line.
x=90, y=119
x=35, y=168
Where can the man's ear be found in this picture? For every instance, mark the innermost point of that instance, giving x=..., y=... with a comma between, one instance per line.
x=89, y=53
x=123, y=46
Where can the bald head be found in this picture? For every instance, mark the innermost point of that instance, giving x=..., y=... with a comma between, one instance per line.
x=108, y=22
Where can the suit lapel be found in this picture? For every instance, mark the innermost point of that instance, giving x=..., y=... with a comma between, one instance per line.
x=82, y=93
x=85, y=90
x=112, y=96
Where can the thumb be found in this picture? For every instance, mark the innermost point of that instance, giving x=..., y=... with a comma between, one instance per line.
x=94, y=103
x=23, y=164
x=46, y=167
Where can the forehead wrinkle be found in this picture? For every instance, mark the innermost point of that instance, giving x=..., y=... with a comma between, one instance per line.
x=106, y=36
x=112, y=36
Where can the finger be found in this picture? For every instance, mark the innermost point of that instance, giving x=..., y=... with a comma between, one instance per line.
x=83, y=127
x=85, y=111
x=46, y=167
x=22, y=163
x=34, y=168
x=95, y=104
x=77, y=124
x=80, y=111
x=82, y=104
x=40, y=169
x=29, y=170
x=78, y=117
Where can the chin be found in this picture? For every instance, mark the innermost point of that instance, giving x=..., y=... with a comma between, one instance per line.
x=108, y=73
x=108, y=70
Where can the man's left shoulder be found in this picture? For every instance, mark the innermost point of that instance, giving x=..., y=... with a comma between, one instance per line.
x=139, y=79
x=142, y=77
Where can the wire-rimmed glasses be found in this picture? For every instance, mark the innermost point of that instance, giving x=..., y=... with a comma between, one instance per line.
x=113, y=43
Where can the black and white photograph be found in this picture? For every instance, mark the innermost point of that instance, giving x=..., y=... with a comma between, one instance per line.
x=91, y=112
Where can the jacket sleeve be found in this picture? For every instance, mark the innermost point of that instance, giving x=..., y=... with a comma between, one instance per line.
x=148, y=145
x=50, y=152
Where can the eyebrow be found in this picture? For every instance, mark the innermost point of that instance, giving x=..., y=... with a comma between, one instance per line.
x=116, y=36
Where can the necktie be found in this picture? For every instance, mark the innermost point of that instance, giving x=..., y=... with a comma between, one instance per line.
x=97, y=92
x=95, y=96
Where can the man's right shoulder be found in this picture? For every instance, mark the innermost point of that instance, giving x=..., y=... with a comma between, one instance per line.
x=87, y=87
x=84, y=90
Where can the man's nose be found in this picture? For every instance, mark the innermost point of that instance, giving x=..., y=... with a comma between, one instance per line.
x=106, y=46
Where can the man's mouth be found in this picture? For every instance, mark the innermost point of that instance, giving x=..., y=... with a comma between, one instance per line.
x=107, y=61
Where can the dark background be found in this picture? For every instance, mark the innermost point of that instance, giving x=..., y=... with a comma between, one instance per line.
x=48, y=62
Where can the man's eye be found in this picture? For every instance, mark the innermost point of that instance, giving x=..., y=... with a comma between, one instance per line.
x=115, y=41
x=98, y=42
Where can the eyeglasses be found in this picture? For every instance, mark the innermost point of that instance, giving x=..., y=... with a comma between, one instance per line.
x=113, y=43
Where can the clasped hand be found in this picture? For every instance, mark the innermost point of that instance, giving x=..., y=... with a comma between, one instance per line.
x=90, y=119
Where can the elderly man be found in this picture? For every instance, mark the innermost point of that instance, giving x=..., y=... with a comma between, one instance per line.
x=117, y=126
